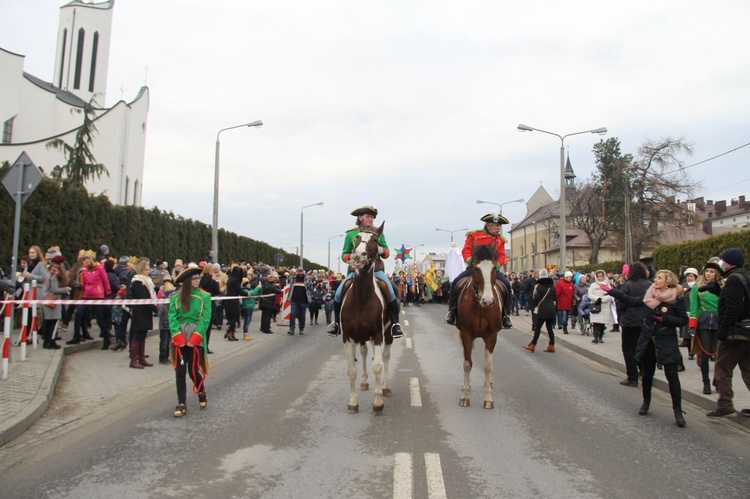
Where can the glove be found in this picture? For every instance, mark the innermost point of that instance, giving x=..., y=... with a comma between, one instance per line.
x=659, y=318
x=713, y=287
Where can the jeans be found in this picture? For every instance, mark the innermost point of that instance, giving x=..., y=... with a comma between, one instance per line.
x=379, y=274
x=562, y=318
x=299, y=310
x=165, y=336
x=247, y=317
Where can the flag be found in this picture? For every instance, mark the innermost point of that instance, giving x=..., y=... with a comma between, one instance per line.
x=402, y=253
x=431, y=278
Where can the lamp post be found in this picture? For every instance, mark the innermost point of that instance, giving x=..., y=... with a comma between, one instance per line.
x=500, y=207
x=215, y=224
x=415, y=253
x=601, y=131
x=302, y=230
x=329, y=248
x=452, y=231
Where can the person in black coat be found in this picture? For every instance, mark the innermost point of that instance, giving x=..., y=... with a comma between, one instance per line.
x=267, y=303
x=141, y=316
x=658, y=339
x=210, y=286
x=543, y=301
x=232, y=307
x=632, y=313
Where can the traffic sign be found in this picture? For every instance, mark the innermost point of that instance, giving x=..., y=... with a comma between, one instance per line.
x=24, y=174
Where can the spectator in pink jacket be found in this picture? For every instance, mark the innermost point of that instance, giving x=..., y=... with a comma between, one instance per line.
x=95, y=286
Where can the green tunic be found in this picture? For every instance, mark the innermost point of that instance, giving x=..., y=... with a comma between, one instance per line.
x=199, y=314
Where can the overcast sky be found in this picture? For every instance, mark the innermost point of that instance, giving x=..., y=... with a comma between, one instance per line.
x=410, y=106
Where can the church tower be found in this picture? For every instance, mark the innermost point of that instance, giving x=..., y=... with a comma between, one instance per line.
x=82, y=56
x=570, y=175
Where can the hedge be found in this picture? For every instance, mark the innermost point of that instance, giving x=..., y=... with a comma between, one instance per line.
x=696, y=253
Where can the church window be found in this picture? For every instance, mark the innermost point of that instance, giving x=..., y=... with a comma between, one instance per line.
x=62, y=57
x=92, y=73
x=79, y=59
x=8, y=130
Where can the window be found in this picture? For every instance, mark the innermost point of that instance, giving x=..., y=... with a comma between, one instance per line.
x=8, y=130
x=62, y=57
x=79, y=58
x=92, y=73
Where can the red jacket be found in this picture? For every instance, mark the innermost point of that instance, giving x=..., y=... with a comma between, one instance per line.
x=564, y=290
x=482, y=237
x=95, y=283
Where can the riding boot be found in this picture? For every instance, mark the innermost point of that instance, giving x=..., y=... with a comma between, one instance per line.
x=135, y=355
x=394, y=311
x=142, y=355
x=333, y=327
x=507, y=323
x=450, y=317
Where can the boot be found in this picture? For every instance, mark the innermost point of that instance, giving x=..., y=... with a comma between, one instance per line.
x=246, y=337
x=333, y=327
x=507, y=323
x=394, y=311
x=550, y=348
x=107, y=341
x=179, y=411
x=530, y=347
x=86, y=335
x=644, y=407
x=706, y=387
x=450, y=317
x=135, y=355
x=678, y=417
x=142, y=355
x=76, y=339
x=565, y=329
x=596, y=338
x=202, y=400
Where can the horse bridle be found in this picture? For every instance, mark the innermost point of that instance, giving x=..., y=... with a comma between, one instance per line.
x=358, y=240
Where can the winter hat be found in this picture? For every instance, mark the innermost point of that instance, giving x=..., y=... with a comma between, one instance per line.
x=543, y=274
x=568, y=273
x=109, y=264
x=692, y=270
x=734, y=256
x=58, y=259
x=103, y=248
x=124, y=259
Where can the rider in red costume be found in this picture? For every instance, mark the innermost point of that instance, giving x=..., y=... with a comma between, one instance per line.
x=489, y=235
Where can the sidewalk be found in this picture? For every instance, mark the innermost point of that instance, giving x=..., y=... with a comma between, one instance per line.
x=101, y=376
x=609, y=354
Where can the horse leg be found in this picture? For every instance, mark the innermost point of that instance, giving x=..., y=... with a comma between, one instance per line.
x=353, y=406
x=467, y=343
x=387, y=392
x=377, y=368
x=488, y=403
x=365, y=384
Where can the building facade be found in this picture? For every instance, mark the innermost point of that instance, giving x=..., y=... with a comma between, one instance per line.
x=35, y=111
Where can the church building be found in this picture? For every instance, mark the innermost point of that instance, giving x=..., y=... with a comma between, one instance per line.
x=34, y=110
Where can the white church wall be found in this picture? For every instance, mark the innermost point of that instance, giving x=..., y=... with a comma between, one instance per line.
x=11, y=67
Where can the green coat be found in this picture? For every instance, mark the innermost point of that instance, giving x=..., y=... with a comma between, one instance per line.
x=349, y=238
x=199, y=314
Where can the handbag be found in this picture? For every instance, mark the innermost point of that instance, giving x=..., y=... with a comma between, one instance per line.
x=596, y=307
x=536, y=309
x=50, y=297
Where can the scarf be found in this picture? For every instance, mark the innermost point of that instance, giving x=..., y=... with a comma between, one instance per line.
x=147, y=283
x=656, y=296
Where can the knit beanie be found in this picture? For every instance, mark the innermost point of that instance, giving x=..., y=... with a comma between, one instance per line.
x=734, y=256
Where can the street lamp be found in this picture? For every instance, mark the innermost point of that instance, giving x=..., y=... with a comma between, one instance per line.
x=215, y=225
x=329, y=248
x=415, y=253
x=452, y=231
x=500, y=207
x=563, y=241
x=301, y=230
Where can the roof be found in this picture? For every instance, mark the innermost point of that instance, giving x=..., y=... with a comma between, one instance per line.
x=61, y=94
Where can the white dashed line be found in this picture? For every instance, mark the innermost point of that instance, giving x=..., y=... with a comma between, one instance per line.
x=409, y=343
x=416, y=397
x=435, y=483
x=403, y=476
x=406, y=322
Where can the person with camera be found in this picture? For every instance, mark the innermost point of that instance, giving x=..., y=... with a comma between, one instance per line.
x=734, y=330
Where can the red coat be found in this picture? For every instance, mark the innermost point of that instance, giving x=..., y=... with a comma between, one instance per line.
x=564, y=290
x=482, y=237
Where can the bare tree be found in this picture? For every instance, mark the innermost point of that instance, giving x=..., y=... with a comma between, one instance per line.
x=587, y=214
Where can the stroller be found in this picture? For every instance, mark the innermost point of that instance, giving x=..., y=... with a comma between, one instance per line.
x=584, y=316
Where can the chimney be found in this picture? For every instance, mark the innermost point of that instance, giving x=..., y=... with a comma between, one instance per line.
x=720, y=206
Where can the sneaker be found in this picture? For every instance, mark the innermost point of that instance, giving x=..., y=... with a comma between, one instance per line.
x=720, y=413
x=627, y=382
x=396, y=331
x=202, y=400
x=290, y=332
x=745, y=412
x=179, y=411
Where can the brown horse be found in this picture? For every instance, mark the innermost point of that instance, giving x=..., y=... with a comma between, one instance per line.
x=480, y=315
x=364, y=317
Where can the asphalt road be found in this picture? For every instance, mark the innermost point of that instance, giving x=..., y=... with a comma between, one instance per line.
x=277, y=426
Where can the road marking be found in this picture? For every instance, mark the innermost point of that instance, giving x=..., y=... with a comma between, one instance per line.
x=403, y=476
x=416, y=397
x=435, y=482
x=409, y=343
x=406, y=322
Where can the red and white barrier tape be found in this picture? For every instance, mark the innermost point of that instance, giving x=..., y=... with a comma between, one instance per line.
x=145, y=301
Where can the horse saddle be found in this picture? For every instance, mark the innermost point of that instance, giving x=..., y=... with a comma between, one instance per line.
x=382, y=285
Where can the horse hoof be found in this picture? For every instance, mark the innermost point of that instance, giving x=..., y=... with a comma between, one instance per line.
x=387, y=392
x=488, y=404
x=378, y=408
x=364, y=387
x=352, y=409
x=464, y=403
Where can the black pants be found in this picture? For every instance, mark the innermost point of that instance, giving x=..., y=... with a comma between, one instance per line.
x=648, y=365
x=550, y=324
x=265, y=319
x=190, y=366
x=707, y=338
x=629, y=340
x=99, y=313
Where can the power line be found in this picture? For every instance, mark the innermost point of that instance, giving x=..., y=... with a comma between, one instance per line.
x=709, y=159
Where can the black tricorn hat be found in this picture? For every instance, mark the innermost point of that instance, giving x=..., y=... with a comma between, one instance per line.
x=187, y=274
x=494, y=218
x=365, y=210
x=713, y=264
